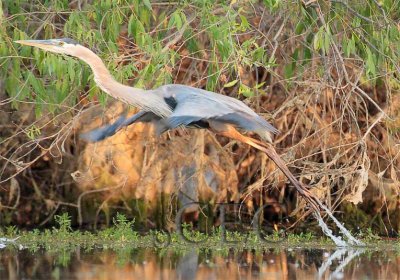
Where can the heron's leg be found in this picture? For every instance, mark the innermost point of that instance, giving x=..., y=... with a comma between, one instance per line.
x=106, y=131
x=229, y=131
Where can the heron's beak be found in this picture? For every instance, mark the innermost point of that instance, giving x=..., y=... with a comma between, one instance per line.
x=37, y=43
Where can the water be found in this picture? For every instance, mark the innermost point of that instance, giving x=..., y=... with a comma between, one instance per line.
x=296, y=263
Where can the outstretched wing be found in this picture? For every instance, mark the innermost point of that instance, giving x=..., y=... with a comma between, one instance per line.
x=103, y=132
x=193, y=105
x=106, y=131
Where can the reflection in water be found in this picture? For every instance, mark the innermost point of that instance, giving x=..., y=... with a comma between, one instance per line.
x=337, y=256
x=143, y=264
x=187, y=266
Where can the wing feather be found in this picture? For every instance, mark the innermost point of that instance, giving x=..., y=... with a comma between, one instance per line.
x=195, y=104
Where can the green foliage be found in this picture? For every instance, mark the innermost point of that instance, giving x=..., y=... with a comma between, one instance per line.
x=64, y=223
x=12, y=231
x=364, y=31
x=122, y=230
x=369, y=236
x=121, y=237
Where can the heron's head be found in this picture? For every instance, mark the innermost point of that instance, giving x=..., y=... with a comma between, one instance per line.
x=63, y=46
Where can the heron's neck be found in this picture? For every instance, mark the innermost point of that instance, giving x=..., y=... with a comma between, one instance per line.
x=103, y=77
x=149, y=101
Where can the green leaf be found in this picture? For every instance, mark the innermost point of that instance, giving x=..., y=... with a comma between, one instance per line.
x=288, y=70
x=307, y=55
x=147, y=4
x=230, y=84
x=318, y=40
x=370, y=63
x=37, y=85
x=244, y=23
x=71, y=70
x=1, y=11
x=258, y=86
x=32, y=132
x=327, y=42
x=299, y=28
x=10, y=85
x=259, y=55
x=178, y=20
x=245, y=90
x=131, y=23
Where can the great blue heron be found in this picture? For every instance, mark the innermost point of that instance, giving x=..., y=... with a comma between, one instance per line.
x=171, y=106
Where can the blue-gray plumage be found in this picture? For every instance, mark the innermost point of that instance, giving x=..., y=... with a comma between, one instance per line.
x=103, y=132
x=106, y=131
x=193, y=107
x=194, y=104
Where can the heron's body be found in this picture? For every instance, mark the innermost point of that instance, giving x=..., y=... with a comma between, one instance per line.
x=168, y=106
x=193, y=107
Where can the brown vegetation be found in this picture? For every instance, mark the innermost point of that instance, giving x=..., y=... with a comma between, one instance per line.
x=335, y=136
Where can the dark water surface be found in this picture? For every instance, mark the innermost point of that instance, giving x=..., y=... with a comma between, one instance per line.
x=296, y=263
